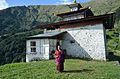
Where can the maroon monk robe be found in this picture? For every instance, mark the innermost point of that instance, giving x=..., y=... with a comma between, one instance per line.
x=60, y=60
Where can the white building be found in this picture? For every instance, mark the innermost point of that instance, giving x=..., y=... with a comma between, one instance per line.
x=81, y=35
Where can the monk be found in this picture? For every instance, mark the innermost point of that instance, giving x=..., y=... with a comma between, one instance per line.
x=60, y=58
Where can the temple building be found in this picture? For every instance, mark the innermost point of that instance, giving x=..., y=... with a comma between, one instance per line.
x=80, y=34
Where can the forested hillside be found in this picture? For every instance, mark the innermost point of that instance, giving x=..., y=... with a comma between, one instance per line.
x=16, y=23
x=20, y=19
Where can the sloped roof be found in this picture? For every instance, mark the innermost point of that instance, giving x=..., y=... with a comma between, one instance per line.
x=109, y=17
x=49, y=35
x=75, y=12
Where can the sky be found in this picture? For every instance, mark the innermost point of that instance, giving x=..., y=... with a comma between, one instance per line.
x=10, y=3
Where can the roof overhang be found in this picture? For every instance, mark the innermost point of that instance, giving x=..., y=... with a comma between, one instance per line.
x=107, y=19
x=49, y=35
x=75, y=12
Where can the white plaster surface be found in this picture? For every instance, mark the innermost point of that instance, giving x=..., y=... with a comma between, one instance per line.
x=89, y=42
x=73, y=17
x=42, y=50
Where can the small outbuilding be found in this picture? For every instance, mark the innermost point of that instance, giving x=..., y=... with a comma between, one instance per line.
x=42, y=46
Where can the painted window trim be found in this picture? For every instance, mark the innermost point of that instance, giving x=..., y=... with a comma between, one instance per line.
x=32, y=43
x=33, y=47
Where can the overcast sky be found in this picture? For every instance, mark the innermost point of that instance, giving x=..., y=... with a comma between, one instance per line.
x=8, y=3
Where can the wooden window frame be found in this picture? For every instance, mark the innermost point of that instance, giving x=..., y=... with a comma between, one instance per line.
x=33, y=43
x=33, y=46
x=33, y=49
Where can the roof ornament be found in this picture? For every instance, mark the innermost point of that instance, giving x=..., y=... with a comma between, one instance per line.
x=75, y=2
x=89, y=7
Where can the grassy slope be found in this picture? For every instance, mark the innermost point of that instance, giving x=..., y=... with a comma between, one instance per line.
x=74, y=69
x=103, y=6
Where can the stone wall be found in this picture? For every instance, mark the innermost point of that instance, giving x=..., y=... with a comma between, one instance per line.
x=85, y=42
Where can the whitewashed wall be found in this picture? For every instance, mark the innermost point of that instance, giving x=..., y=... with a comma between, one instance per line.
x=89, y=42
x=76, y=16
x=42, y=50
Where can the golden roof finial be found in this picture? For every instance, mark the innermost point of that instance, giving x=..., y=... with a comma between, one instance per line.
x=74, y=1
x=89, y=7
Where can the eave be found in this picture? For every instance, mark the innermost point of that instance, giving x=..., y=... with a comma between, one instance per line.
x=107, y=19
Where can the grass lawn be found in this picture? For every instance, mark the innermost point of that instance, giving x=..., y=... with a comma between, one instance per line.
x=74, y=69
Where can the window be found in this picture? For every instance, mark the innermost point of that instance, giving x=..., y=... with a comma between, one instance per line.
x=32, y=43
x=33, y=46
x=33, y=49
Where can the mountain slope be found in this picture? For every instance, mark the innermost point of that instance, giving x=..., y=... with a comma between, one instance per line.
x=25, y=18
x=21, y=20
x=103, y=6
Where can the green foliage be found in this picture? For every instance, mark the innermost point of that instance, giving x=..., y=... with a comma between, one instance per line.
x=13, y=46
x=74, y=69
x=20, y=19
x=103, y=6
x=113, y=38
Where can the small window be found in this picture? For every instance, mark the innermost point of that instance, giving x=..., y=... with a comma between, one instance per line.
x=72, y=41
x=33, y=49
x=32, y=43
